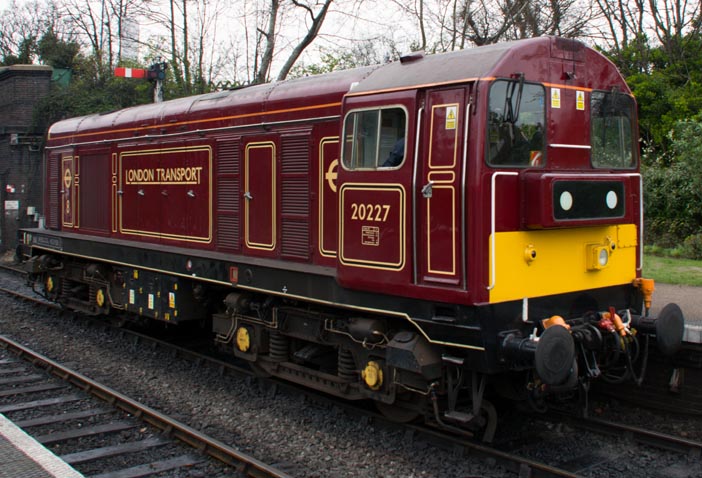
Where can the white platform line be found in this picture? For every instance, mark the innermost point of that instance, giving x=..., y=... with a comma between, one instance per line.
x=35, y=451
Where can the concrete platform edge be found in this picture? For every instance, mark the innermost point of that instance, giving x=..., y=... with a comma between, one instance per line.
x=36, y=452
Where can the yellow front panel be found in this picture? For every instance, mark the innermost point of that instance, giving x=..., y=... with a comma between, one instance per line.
x=555, y=261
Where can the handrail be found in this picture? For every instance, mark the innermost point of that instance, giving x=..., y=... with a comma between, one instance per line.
x=420, y=113
x=464, y=170
x=570, y=146
x=493, y=200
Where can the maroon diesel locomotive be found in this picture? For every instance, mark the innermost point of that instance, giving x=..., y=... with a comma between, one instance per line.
x=419, y=233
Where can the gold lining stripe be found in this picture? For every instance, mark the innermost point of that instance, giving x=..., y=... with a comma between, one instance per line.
x=274, y=197
x=67, y=167
x=452, y=272
x=420, y=86
x=115, y=196
x=400, y=315
x=200, y=121
x=568, y=87
x=456, y=82
x=439, y=177
x=76, y=192
x=455, y=137
x=160, y=234
x=374, y=187
x=322, y=191
x=113, y=206
x=442, y=176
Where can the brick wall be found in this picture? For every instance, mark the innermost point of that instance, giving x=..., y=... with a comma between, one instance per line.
x=21, y=165
x=21, y=87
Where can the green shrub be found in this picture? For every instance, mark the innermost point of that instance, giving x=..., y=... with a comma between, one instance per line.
x=692, y=247
x=673, y=189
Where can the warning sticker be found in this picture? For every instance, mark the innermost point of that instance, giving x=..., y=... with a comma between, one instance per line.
x=580, y=100
x=555, y=97
x=451, y=115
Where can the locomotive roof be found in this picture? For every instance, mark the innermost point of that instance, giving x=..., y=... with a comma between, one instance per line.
x=324, y=93
x=236, y=103
x=540, y=59
x=444, y=68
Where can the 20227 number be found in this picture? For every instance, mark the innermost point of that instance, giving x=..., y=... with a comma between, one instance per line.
x=370, y=212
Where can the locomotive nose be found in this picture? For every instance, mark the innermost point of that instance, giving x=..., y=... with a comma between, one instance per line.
x=668, y=328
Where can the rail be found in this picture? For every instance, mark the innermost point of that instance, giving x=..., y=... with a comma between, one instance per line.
x=245, y=464
x=692, y=448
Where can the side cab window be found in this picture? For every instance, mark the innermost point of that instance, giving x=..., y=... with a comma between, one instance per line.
x=375, y=138
x=612, y=130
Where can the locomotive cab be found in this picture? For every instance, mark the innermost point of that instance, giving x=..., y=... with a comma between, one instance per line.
x=516, y=211
x=569, y=248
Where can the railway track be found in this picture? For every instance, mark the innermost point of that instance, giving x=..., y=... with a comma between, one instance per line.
x=514, y=456
x=595, y=448
x=672, y=384
x=118, y=427
x=689, y=448
x=515, y=463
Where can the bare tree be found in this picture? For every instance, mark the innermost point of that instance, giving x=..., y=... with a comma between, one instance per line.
x=268, y=37
x=316, y=21
x=89, y=20
x=124, y=12
x=205, y=47
x=446, y=25
x=624, y=20
x=676, y=21
x=517, y=19
x=625, y=32
x=673, y=19
x=177, y=21
x=632, y=24
x=415, y=9
x=100, y=26
x=21, y=25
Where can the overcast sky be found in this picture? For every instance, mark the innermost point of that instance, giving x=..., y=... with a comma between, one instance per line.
x=376, y=19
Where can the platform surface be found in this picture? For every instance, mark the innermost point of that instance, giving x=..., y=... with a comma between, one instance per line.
x=690, y=301
x=23, y=457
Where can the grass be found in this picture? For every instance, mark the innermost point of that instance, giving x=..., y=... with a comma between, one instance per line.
x=671, y=270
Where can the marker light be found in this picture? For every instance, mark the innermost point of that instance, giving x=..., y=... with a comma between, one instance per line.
x=597, y=257
x=603, y=257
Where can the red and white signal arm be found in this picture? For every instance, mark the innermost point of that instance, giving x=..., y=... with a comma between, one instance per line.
x=130, y=72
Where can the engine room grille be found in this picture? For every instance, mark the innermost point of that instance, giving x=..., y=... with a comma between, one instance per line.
x=52, y=211
x=228, y=195
x=295, y=196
